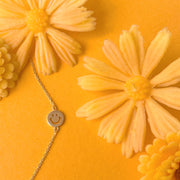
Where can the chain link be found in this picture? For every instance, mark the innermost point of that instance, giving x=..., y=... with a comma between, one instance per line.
x=45, y=154
x=56, y=129
x=43, y=87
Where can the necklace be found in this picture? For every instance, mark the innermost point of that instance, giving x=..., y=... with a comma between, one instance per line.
x=55, y=119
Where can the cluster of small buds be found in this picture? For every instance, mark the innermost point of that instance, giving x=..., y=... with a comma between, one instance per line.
x=8, y=69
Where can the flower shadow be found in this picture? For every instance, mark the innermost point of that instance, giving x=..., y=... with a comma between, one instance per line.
x=102, y=12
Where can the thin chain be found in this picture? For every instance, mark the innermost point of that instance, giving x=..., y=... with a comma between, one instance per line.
x=45, y=154
x=43, y=87
x=56, y=129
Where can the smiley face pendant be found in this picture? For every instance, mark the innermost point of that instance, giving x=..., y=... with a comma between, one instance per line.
x=55, y=118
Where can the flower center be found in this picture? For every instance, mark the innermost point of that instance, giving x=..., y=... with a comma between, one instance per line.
x=138, y=88
x=37, y=20
x=177, y=174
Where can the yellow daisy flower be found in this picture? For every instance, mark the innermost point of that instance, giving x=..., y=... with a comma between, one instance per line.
x=162, y=161
x=8, y=69
x=33, y=25
x=135, y=98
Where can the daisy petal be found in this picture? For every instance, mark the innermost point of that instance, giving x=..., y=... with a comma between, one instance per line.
x=22, y=3
x=101, y=106
x=134, y=140
x=53, y=5
x=11, y=24
x=24, y=50
x=73, y=3
x=73, y=19
x=14, y=37
x=156, y=51
x=128, y=49
x=139, y=43
x=43, y=4
x=64, y=45
x=113, y=54
x=127, y=147
x=37, y=58
x=99, y=83
x=139, y=127
x=63, y=4
x=160, y=120
x=169, y=76
x=65, y=41
x=8, y=14
x=47, y=56
x=11, y=7
x=169, y=96
x=114, y=126
x=32, y=4
x=103, y=69
x=64, y=55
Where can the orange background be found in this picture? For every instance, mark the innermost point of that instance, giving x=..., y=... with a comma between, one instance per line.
x=78, y=154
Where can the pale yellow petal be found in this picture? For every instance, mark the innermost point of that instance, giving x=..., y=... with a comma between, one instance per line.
x=63, y=4
x=169, y=96
x=32, y=4
x=9, y=14
x=64, y=45
x=22, y=3
x=43, y=3
x=11, y=7
x=139, y=43
x=24, y=51
x=53, y=5
x=73, y=19
x=160, y=120
x=70, y=16
x=86, y=26
x=47, y=56
x=114, y=127
x=37, y=59
x=169, y=76
x=156, y=51
x=127, y=146
x=73, y=3
x=11, y=24
x=14, y=37
x=103, y=69
x=65, y=41
x=112, y=52
x=64, y=55
x=129, y=51
x=139, y=127
x=101, y=106
x=99, y=83
x=134, y=140
x=74, y=15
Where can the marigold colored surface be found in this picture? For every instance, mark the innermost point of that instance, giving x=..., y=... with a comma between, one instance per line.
x=78, y=153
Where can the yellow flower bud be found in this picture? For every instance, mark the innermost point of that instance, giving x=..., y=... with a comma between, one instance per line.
x=8, y=69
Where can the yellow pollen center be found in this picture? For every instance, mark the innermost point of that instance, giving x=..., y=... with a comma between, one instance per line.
x=138, y=88
x=37, y=20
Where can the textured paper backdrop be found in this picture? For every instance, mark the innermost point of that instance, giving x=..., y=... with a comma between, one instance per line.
x=78, y=154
